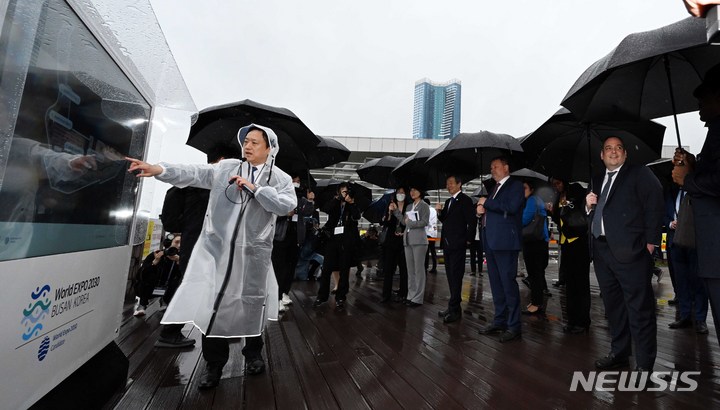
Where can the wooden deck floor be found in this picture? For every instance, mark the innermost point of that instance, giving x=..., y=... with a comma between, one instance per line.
x=381, y=356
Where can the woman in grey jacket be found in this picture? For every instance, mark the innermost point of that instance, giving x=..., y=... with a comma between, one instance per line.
x=417, y=217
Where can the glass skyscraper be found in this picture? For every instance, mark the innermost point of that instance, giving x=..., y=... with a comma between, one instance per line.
x=436, y=112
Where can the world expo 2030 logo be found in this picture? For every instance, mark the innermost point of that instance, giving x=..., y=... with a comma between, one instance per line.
x=35, y=312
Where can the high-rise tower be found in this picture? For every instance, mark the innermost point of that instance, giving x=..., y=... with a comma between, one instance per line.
x=436, y=112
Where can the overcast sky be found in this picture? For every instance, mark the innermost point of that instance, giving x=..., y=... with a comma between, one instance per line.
x=349, y=68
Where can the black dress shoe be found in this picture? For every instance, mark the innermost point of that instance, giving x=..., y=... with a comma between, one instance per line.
x=398, y=299
x=576, y=330
x=385, y=300
x=701, y=328
x=211, y=377
x=254, y=366
x=680, y=324
x=526, y=282
x=673, y=301
x=509, y=335
x=443, y=313
x=610, y=362
x=491, y=329
x=318, y=302
x=558, y=284
x=410, y=303
x=451, y=317
x=432, y=271
x=339, y=304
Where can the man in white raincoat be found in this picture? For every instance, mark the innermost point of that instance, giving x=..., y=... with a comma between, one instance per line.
x=229, y=289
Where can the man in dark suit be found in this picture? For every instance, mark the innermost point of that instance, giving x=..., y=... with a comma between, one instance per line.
x=458, y=219
x=502, y=214
x=701, y=180
x=626, y=211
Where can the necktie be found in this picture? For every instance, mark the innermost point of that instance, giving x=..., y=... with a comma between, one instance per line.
x=597, y=217
x=495, y=191
x=252, y=175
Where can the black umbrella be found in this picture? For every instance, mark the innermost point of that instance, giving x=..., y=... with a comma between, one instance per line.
x=378, y=171
x=470, y=154
x=564, y=148
x=328, y=152
x=326, y=189
x=662, y=169
x=220, y=124
x=650, y=74
x=413, y=171
x=377, y=208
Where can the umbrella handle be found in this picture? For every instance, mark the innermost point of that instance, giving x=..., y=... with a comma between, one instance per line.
x=666, y=60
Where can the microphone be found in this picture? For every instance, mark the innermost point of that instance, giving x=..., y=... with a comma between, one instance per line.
x=244, y=187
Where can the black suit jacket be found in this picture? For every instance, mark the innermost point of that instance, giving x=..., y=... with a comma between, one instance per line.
x=458, y=222
x=633, y=212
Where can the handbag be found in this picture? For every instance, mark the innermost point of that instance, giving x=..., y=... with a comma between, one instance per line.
x=535, y=230
x=685, y=230
x=383, y=235
x=574, y=221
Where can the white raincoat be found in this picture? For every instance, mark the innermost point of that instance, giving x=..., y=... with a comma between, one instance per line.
x=229, y=288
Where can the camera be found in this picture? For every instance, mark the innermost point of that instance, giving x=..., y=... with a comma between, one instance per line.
x=171, y=251
x=167, y=242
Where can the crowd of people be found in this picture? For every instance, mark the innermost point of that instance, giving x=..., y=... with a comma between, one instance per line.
x=252, y=229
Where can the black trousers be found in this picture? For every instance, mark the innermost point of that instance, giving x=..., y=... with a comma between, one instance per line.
x=393, y=257
x=431, y=253
x=712, y=285
x=535, y=255
x=575, y=268
x=335, y=259
x=629, y=303
x=285, y=255
x=455, y=270
x=476, y=256
x=216, y=350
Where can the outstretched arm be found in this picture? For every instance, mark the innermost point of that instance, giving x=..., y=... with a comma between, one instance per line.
x=145, y=169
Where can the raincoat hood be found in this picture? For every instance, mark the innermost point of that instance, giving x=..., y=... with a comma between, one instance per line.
x=272, y=139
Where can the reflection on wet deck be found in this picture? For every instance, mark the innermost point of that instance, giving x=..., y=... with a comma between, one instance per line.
x=381, y=356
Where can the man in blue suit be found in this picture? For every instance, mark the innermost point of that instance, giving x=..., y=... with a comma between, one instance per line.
x=626, y=211
x=502, y=240
x=458, y=219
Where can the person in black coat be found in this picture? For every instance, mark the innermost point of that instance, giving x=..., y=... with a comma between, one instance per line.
x=574, y=253
x=342, y=239
x=393, y=253
x=626, y=210
x=458, y=223
x=700, y=178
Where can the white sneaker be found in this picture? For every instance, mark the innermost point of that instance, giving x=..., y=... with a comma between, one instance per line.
x=139, y=309
x=286, y=299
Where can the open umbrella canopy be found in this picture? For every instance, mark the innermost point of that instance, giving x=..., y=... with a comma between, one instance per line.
x=413, y=171
x=220, y=124
x=378, y=171
x=529, y=175
x=328, y=152
x=662, y=169
x=559, y=148
x=326, y=189
x=650, y=74
x=470, y=154
x=377, y=208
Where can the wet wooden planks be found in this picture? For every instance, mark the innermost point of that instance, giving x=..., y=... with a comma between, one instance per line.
x=388, y=356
